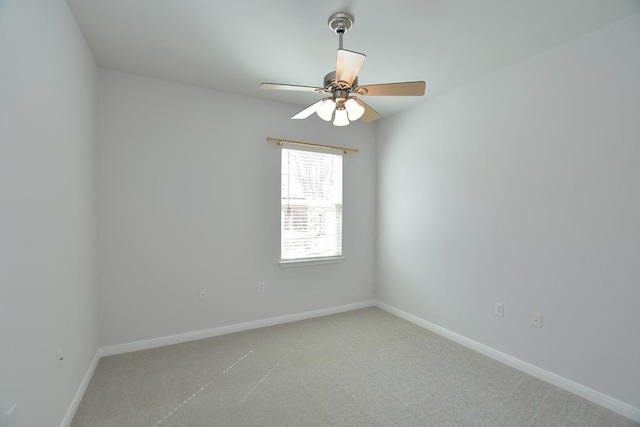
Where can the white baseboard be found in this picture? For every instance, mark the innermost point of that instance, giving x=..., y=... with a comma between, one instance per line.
x=190, y=336
x=207, y=333
x=601, y=399
x=73, y=407
x=594, y=396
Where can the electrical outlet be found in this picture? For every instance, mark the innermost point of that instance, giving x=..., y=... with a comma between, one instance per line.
x=261, y=287
x=498, y=309
x=203, y=294
x=536, y=320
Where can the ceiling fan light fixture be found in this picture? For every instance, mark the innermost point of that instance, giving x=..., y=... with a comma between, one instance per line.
x=354, y=110
x=341, y=118
x=325, y=111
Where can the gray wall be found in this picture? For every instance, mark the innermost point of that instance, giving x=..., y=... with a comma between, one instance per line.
x=189, y=196
x=47, y=209
x=523, y=188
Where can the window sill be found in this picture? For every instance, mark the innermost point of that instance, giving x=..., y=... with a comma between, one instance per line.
x=311, y=261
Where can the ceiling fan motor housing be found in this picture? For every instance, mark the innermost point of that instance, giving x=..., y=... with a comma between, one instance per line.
x=331, y=85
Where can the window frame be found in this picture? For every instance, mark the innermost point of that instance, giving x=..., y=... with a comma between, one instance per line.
x=311, y=260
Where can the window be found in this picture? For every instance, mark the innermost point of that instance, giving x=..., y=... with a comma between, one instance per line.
x=311, y=205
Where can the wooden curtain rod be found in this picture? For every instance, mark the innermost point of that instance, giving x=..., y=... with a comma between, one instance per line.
x=345, y=150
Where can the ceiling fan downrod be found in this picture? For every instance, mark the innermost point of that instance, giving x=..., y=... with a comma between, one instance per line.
x=340, y=23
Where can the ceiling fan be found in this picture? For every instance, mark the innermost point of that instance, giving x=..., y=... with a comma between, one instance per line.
x=342, y=85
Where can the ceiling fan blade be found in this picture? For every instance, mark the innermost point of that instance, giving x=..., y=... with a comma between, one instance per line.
x=348, y=65
x=309, y=110
x=393, y=89
x=369, y=113
x=278, y=86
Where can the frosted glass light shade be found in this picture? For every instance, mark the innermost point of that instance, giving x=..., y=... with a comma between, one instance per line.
x=325, y=111
x=341, y=118
x=354, y=110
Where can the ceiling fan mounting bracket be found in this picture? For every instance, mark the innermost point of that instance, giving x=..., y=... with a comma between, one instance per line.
x=340, y=22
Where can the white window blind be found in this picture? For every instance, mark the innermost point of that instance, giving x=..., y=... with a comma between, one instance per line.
x=311, y=205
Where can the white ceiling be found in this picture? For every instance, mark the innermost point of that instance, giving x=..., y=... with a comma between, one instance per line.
x=234, y=45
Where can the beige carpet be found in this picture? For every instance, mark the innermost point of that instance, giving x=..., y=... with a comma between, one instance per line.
x=360, y=368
